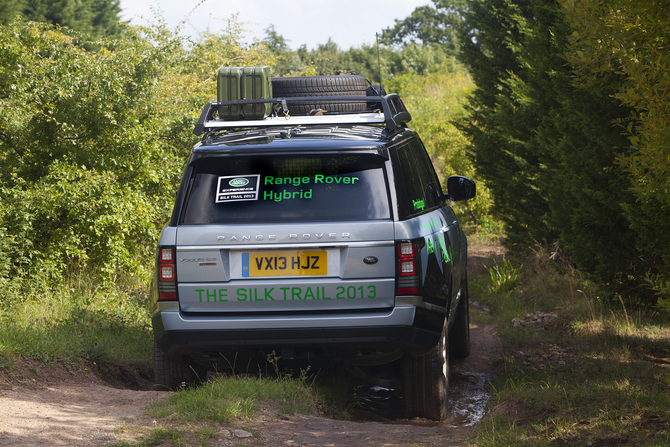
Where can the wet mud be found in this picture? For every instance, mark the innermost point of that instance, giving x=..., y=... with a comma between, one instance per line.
x=469, y=380
x=468, y=397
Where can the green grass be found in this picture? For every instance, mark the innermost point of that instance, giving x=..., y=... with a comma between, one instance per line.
x=193, y=416
x=229, y=398
x=158, y=436
x=597, y=374
x=108, y=330
x=504, y=276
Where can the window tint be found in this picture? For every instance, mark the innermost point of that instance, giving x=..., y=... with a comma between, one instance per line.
x=417, y=185
x=287, y=189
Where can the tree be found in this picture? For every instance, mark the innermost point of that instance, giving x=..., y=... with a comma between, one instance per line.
x=277, y=44
x=623, y=46
x=501, y=124
x=10, y=9
x=95, y=18
x=547, y=151
x=436, y=24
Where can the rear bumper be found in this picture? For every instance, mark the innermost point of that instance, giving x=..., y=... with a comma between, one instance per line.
x=178, y=334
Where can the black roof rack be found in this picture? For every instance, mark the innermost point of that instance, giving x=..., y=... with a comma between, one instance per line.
x=389, y=110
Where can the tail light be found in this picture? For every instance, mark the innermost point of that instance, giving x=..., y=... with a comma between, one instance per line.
x=408, y=268
x=167, y=274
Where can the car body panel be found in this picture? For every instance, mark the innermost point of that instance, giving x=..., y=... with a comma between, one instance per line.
x=350, y=299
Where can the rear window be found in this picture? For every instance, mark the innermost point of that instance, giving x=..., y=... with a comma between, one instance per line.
x=287, y=189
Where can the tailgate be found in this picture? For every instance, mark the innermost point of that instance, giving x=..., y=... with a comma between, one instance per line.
x=293, y=268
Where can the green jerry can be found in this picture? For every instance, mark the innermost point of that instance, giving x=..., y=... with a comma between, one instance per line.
x=256, y=84
x=228, y=88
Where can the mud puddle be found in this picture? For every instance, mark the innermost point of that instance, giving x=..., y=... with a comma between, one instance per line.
x=468, y=396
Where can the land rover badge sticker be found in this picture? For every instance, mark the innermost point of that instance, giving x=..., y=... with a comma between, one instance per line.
x=237, y=188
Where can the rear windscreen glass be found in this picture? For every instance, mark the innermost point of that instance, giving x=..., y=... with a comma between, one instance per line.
x=286, y=189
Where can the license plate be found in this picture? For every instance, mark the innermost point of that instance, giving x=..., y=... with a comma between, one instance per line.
x=284, y=263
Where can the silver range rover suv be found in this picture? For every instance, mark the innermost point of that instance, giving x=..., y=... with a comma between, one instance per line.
x=326, y=235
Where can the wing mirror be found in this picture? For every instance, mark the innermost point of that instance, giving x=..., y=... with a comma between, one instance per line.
x=460, y=188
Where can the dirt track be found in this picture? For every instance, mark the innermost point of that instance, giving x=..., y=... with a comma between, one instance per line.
x=57, y=408
x=67, y=414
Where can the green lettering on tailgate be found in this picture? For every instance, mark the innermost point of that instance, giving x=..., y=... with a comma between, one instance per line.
x=241, y=295
x=310, y=294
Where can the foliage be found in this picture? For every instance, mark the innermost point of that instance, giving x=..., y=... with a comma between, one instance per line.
x=410, y=59
x=504, y=276
x=498, y=124
x=366, y=60
x=95, y=18
x=623, y=46
x=430, y=24
x=547, y=151
x=82, y=177
x=92, y=144
x=436, y=101
x=661, y=285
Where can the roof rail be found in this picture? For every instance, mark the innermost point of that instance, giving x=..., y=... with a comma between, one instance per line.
x=392, y=113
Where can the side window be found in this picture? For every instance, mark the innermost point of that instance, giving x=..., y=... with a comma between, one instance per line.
x=417, y=185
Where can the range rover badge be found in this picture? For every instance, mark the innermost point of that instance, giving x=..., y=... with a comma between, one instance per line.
x=370, y=260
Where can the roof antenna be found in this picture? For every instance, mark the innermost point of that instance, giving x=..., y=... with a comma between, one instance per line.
x=379, y=65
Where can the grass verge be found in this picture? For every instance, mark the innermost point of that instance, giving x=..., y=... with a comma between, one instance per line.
x=227, y=399
x=580, y=367
x=223, y=407
x=109, y=331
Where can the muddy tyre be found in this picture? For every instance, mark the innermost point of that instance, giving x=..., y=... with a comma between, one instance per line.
x=344, y=85
x=459, y=338
x=172, y=374
x=426, y=382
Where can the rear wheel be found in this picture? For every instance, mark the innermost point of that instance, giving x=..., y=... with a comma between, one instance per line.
x=343, y=85
x=426, y=382
x=459, y=338
x=171, y=374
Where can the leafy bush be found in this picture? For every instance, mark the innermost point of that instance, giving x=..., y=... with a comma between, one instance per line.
x=93, y=143
x=84, y=179
x=623, y=46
